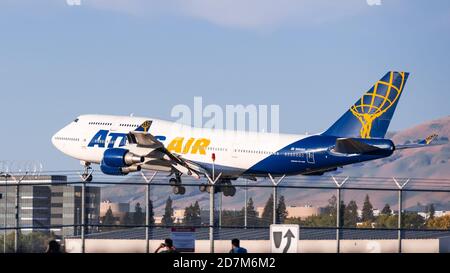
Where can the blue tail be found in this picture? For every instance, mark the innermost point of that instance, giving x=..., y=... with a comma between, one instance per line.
x=370, y=116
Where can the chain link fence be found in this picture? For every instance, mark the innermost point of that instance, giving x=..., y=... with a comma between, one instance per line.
x=35, y=209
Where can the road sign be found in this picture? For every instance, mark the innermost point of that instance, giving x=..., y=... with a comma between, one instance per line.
x=183, y=239
x=284, y=238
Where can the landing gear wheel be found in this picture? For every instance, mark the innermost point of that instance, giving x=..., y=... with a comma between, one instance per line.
x=232, y=191
x=179, y=190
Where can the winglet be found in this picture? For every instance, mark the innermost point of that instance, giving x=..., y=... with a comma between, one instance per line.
x=428, y=139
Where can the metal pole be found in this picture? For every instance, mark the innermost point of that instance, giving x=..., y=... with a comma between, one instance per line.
x=400, y=196
x=338, y=212
x=147, y=218
x=147, y=210
x=245, y=207
x=16, y=230
x=211, y=218
x=6, y=214
x=83, y=220
x=338, y=220
x=220, y=209
x=275, y=184
x=211, y=209
x=274, y=204
x=400, y=220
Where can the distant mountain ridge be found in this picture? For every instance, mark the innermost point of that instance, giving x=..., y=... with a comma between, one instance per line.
x=430, y=162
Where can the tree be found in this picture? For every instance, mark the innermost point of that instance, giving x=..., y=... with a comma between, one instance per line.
x=386, y=221
x=367, y=210
x=442, y=222
x=109, y=219
x=281, y=211
x=192, y=215
x=351, y=214
x=151, y=214
x=138, y=216
x=252, y=215
x=168, y=213
x=232, y=218
x=431, y=211
x=128, y=219
x=412, y=220
x=386, y=210
x=267, y=215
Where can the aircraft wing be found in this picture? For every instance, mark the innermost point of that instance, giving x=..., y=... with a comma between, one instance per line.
x=428, y=141
x=157, y=157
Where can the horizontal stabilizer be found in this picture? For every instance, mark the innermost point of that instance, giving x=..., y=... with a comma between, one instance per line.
x=353, y=146
x=428, y=141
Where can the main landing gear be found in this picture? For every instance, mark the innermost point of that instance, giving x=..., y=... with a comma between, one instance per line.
x=87, y=173
x=223, y=185
x=177, y=188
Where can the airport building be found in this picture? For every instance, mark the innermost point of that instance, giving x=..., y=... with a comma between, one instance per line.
x=42, y=206
x=297, y=212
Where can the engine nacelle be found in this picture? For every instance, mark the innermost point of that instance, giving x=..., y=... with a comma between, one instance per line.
x=106, y=169
x=118, y=158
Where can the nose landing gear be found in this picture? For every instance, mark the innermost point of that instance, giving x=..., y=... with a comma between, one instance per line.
x=86, y=176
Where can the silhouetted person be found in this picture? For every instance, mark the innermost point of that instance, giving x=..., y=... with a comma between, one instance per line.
x=53, y=247
x=236, y=247
x=168, y=247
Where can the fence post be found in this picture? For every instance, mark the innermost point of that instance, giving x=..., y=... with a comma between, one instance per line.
x=5, y=221
x=245, y=207
x=83, y=220
x=400, y=202
x=338, y=212
x=17, y=220
x=275, y=184
x=211, y=210
x=147, y=210
x=16, y=230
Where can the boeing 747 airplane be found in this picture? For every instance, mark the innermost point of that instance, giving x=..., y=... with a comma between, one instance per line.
x=123, y=144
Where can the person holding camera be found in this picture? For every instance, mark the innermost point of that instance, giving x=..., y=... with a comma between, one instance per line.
x=167, y=246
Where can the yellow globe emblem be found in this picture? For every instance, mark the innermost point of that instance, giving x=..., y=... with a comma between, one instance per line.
x=146, y=126
x=376, y=102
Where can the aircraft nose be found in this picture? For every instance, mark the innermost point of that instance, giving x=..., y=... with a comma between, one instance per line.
x=55, y=141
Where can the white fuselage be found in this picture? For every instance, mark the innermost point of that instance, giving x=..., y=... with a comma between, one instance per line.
x=235, y=151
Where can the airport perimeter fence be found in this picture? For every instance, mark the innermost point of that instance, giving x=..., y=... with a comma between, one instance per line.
x=144, y=206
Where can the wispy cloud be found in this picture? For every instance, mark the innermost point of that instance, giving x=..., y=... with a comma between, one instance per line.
x=240, y=13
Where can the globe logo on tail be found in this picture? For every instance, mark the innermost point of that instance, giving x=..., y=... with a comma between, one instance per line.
x=377, y=101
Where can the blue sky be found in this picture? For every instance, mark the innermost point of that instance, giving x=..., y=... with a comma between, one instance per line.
x=313, y=57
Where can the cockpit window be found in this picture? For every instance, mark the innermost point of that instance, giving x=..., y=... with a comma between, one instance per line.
x=76, y=120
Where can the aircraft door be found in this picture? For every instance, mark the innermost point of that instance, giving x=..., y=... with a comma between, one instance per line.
x=310, y=158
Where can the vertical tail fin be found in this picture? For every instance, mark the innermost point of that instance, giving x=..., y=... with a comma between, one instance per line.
x=371, y=115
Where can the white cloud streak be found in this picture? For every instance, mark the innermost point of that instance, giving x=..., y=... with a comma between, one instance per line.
x=247, y=14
